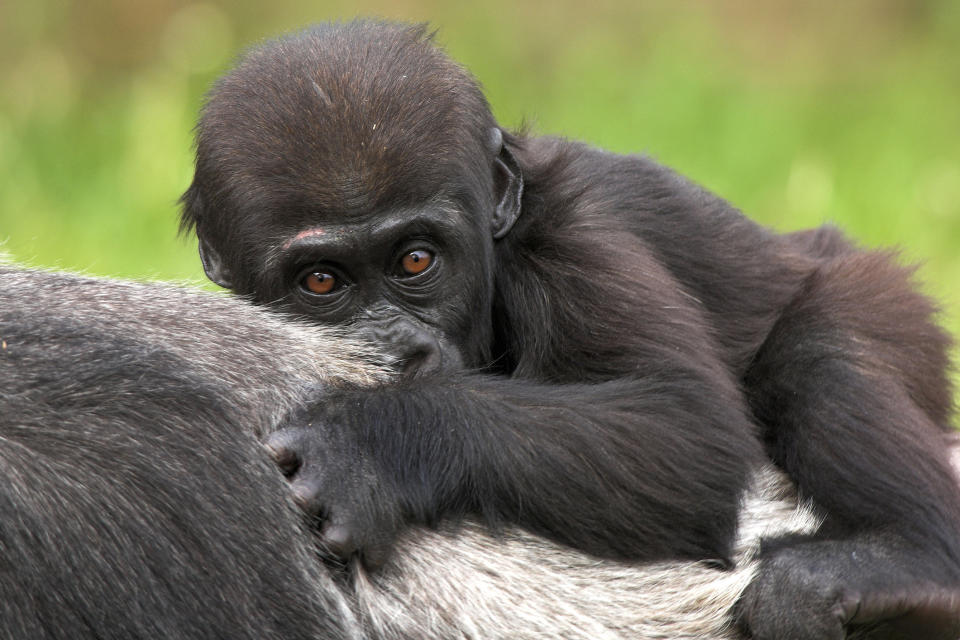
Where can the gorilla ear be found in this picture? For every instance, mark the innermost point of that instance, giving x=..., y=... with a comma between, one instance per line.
x=508, y=181
x=191, y=216
x=213, y=264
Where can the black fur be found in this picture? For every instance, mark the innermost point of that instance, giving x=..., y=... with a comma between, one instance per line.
x=632, y=342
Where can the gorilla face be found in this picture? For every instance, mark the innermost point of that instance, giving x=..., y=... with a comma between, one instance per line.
x=347, y=197
x=417, y=280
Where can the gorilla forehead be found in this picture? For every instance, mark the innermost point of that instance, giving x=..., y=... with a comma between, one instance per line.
x=347, y=121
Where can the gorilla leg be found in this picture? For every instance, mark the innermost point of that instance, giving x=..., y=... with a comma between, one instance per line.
x=861, y=326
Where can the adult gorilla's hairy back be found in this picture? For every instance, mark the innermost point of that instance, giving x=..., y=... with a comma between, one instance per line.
x=136, y=500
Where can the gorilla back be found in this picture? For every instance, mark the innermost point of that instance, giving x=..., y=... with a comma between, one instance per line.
x=136, y=500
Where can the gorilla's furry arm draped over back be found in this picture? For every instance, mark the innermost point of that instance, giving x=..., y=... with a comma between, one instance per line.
x=136, y=501
x=597, y=349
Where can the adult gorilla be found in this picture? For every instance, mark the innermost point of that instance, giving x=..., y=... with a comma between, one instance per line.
x=137, y=502
x=635, y=333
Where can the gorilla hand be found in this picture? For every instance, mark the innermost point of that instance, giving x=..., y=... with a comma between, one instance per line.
x=338, y=486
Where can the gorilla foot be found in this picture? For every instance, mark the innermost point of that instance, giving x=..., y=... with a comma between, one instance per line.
x=832, y=590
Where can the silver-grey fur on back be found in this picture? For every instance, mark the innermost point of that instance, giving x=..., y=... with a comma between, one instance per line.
x=442, y=585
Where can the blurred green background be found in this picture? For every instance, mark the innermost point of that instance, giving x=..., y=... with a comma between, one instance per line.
x=797, y=112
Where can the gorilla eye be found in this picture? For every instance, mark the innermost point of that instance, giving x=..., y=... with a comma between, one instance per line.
x=319, y=282
x=416, y=262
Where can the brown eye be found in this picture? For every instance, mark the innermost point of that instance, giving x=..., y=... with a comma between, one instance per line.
x=319, y=282
x=416, y=262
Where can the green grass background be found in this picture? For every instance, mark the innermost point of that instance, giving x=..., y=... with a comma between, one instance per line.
x=797, y=112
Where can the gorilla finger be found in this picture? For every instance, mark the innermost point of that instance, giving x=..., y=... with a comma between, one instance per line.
x=343, y=540
x=375, y=556
x=307, y=494
x=339, y=540
x=284, y=448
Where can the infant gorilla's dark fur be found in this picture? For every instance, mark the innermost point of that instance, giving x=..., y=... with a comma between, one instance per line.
x=599, y=350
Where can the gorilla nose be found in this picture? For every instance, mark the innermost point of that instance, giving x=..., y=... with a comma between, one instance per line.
x=418, y=349
x=421, y=355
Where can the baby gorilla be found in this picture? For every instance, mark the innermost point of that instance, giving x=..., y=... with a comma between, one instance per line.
x=598, y=350
x=137, y=502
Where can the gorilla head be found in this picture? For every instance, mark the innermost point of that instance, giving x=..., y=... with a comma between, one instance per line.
x=352, y=182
